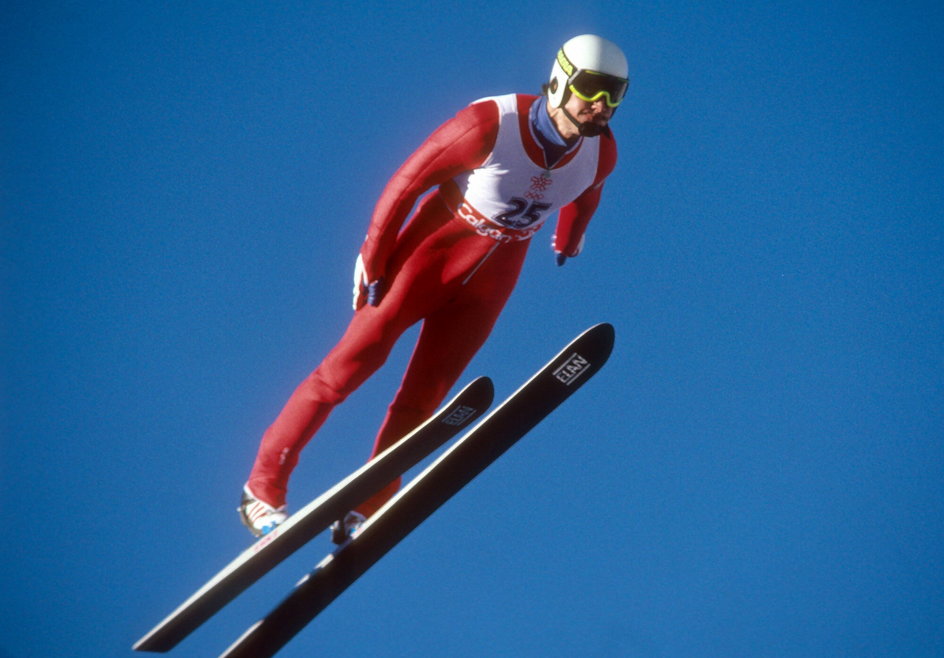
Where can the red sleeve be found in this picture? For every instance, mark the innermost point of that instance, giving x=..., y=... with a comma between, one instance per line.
x=573, y=218
x=460, y=144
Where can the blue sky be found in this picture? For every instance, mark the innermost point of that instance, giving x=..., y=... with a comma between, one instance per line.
x=757, y=471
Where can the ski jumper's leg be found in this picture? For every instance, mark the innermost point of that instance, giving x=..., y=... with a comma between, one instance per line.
x=449, y=339
x=415, y=289
x=363, y=349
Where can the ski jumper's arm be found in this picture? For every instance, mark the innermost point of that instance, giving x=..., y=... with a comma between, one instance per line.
x=573, y=218
x=460, y=144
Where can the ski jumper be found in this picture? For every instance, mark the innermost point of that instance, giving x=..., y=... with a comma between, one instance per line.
x=452, y=267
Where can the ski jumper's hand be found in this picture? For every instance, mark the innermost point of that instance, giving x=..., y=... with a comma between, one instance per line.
x=369, y=292
x=562, y=255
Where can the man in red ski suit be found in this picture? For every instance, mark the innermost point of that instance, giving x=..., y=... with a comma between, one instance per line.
x=499, y=168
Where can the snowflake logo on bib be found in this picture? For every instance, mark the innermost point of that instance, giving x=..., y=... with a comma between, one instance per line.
x=540, y=183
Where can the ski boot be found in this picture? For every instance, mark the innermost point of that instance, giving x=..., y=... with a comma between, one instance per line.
x=344, y=530
x=261, y=518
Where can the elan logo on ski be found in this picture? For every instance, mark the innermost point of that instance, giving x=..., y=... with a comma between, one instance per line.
x=459, y=416
x=575, y=366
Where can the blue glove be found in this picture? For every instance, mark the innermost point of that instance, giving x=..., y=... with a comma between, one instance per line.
x=370, y=292
x=561, y=256
x=375, y=292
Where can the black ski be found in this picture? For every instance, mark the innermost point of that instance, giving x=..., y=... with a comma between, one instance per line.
x=312, y=519
x=465, y=459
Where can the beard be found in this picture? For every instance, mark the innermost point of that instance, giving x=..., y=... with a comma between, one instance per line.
x=590, y=129
x=586, y=128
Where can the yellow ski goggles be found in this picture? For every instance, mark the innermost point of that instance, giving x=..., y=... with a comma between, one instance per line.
x=591, y=86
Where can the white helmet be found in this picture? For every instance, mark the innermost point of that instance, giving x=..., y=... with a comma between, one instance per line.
x=590, y=67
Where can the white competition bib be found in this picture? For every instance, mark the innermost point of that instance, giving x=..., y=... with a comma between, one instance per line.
x=510, y=195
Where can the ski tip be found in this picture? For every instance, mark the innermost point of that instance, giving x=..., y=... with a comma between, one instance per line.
x=482, y=389
x=603, y=332
x=482, y=382
x=604, y=328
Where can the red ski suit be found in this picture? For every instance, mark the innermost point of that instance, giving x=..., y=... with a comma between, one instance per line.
x=450, y=267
